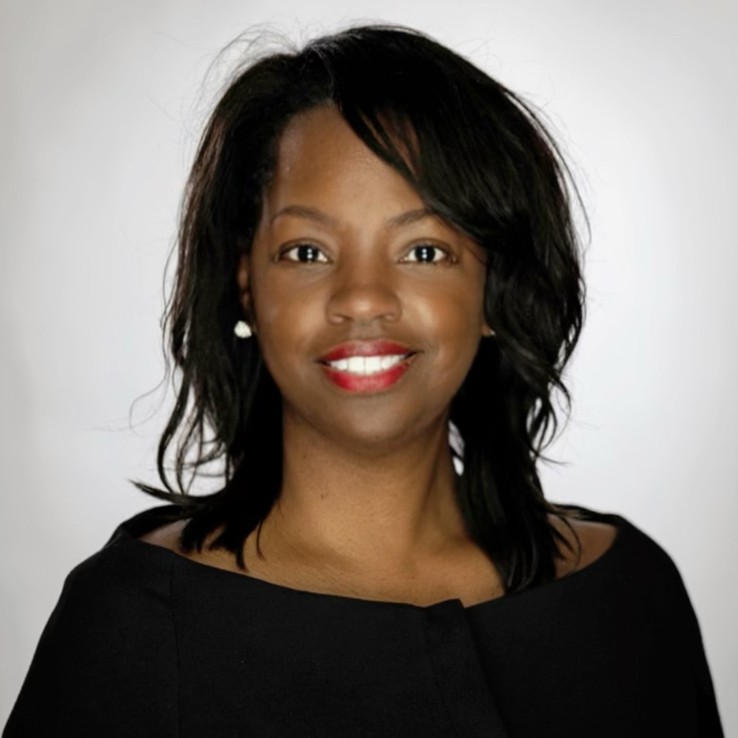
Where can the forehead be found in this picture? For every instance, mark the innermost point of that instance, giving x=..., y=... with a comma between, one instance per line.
x=320, y=156
x=318, y=130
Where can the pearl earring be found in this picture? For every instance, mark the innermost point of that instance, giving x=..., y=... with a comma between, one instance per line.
x=242, y=329
x=489, y=332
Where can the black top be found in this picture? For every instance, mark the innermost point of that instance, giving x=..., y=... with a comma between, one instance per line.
x=144, y=642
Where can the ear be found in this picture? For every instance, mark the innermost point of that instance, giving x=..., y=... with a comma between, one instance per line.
x=487, y=332
x=242, y=273
x=244, y=290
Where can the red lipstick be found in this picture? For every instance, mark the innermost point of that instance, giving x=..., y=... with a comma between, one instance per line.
x=376, y=347
x=367, y=366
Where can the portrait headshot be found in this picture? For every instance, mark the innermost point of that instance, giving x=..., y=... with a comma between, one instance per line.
x=367, y=369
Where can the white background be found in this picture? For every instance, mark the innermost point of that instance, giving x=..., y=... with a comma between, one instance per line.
x=102, y=102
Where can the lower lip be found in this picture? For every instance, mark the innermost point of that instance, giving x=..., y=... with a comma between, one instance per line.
x=369, y=382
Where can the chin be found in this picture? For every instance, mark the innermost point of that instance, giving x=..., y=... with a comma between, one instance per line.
x=379, y=431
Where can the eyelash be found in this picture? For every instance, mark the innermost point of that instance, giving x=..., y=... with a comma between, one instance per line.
x=447, y=257
x=283, y=255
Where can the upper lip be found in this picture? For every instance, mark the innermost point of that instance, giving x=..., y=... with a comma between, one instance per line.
x=375, y=347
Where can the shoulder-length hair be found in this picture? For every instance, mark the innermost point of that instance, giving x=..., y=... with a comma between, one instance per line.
x=479, y=156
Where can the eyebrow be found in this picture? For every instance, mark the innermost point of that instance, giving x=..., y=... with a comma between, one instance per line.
x=301, y=211
x=411, y=216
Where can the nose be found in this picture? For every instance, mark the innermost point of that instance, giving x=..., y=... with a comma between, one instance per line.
x=364, y=294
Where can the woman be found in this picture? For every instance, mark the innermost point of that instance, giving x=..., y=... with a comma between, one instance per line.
x=377, y=263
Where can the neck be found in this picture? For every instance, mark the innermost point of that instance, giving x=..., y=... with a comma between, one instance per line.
x=379, y=511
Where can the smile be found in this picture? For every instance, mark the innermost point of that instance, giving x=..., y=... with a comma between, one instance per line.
x=365, y=366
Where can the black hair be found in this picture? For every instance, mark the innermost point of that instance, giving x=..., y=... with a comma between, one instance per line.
x=480, y=158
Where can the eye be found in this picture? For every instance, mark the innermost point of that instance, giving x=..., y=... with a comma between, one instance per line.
x=304, y=253
x=428, y=253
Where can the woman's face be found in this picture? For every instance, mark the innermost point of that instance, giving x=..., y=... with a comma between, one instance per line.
x=367, y=307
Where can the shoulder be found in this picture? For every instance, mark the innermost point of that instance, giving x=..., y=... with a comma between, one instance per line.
x=634, y=584
x=584, y=540
x=114, y=599
x=123, y=589
x=123, y=568
x=620, y=551
x=107, y=657
x=121, y=572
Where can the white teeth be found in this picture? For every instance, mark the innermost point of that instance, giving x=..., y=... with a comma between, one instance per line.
x=365, y=365
x=356, y=365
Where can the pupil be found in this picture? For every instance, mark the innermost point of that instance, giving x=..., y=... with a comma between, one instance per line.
x=425, y=253
x=306, y=253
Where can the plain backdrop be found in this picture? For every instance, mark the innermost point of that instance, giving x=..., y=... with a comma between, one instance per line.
x=102, y=103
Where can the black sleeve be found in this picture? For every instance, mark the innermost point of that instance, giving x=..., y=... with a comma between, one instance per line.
x=657, y=586
x=687, y=638
x=707, y=709
x=106, y=662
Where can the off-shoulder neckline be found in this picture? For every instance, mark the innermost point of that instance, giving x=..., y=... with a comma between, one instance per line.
x=129, y=532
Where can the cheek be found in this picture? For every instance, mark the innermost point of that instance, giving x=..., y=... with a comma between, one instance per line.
x=456, y=323
x=285, y=321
